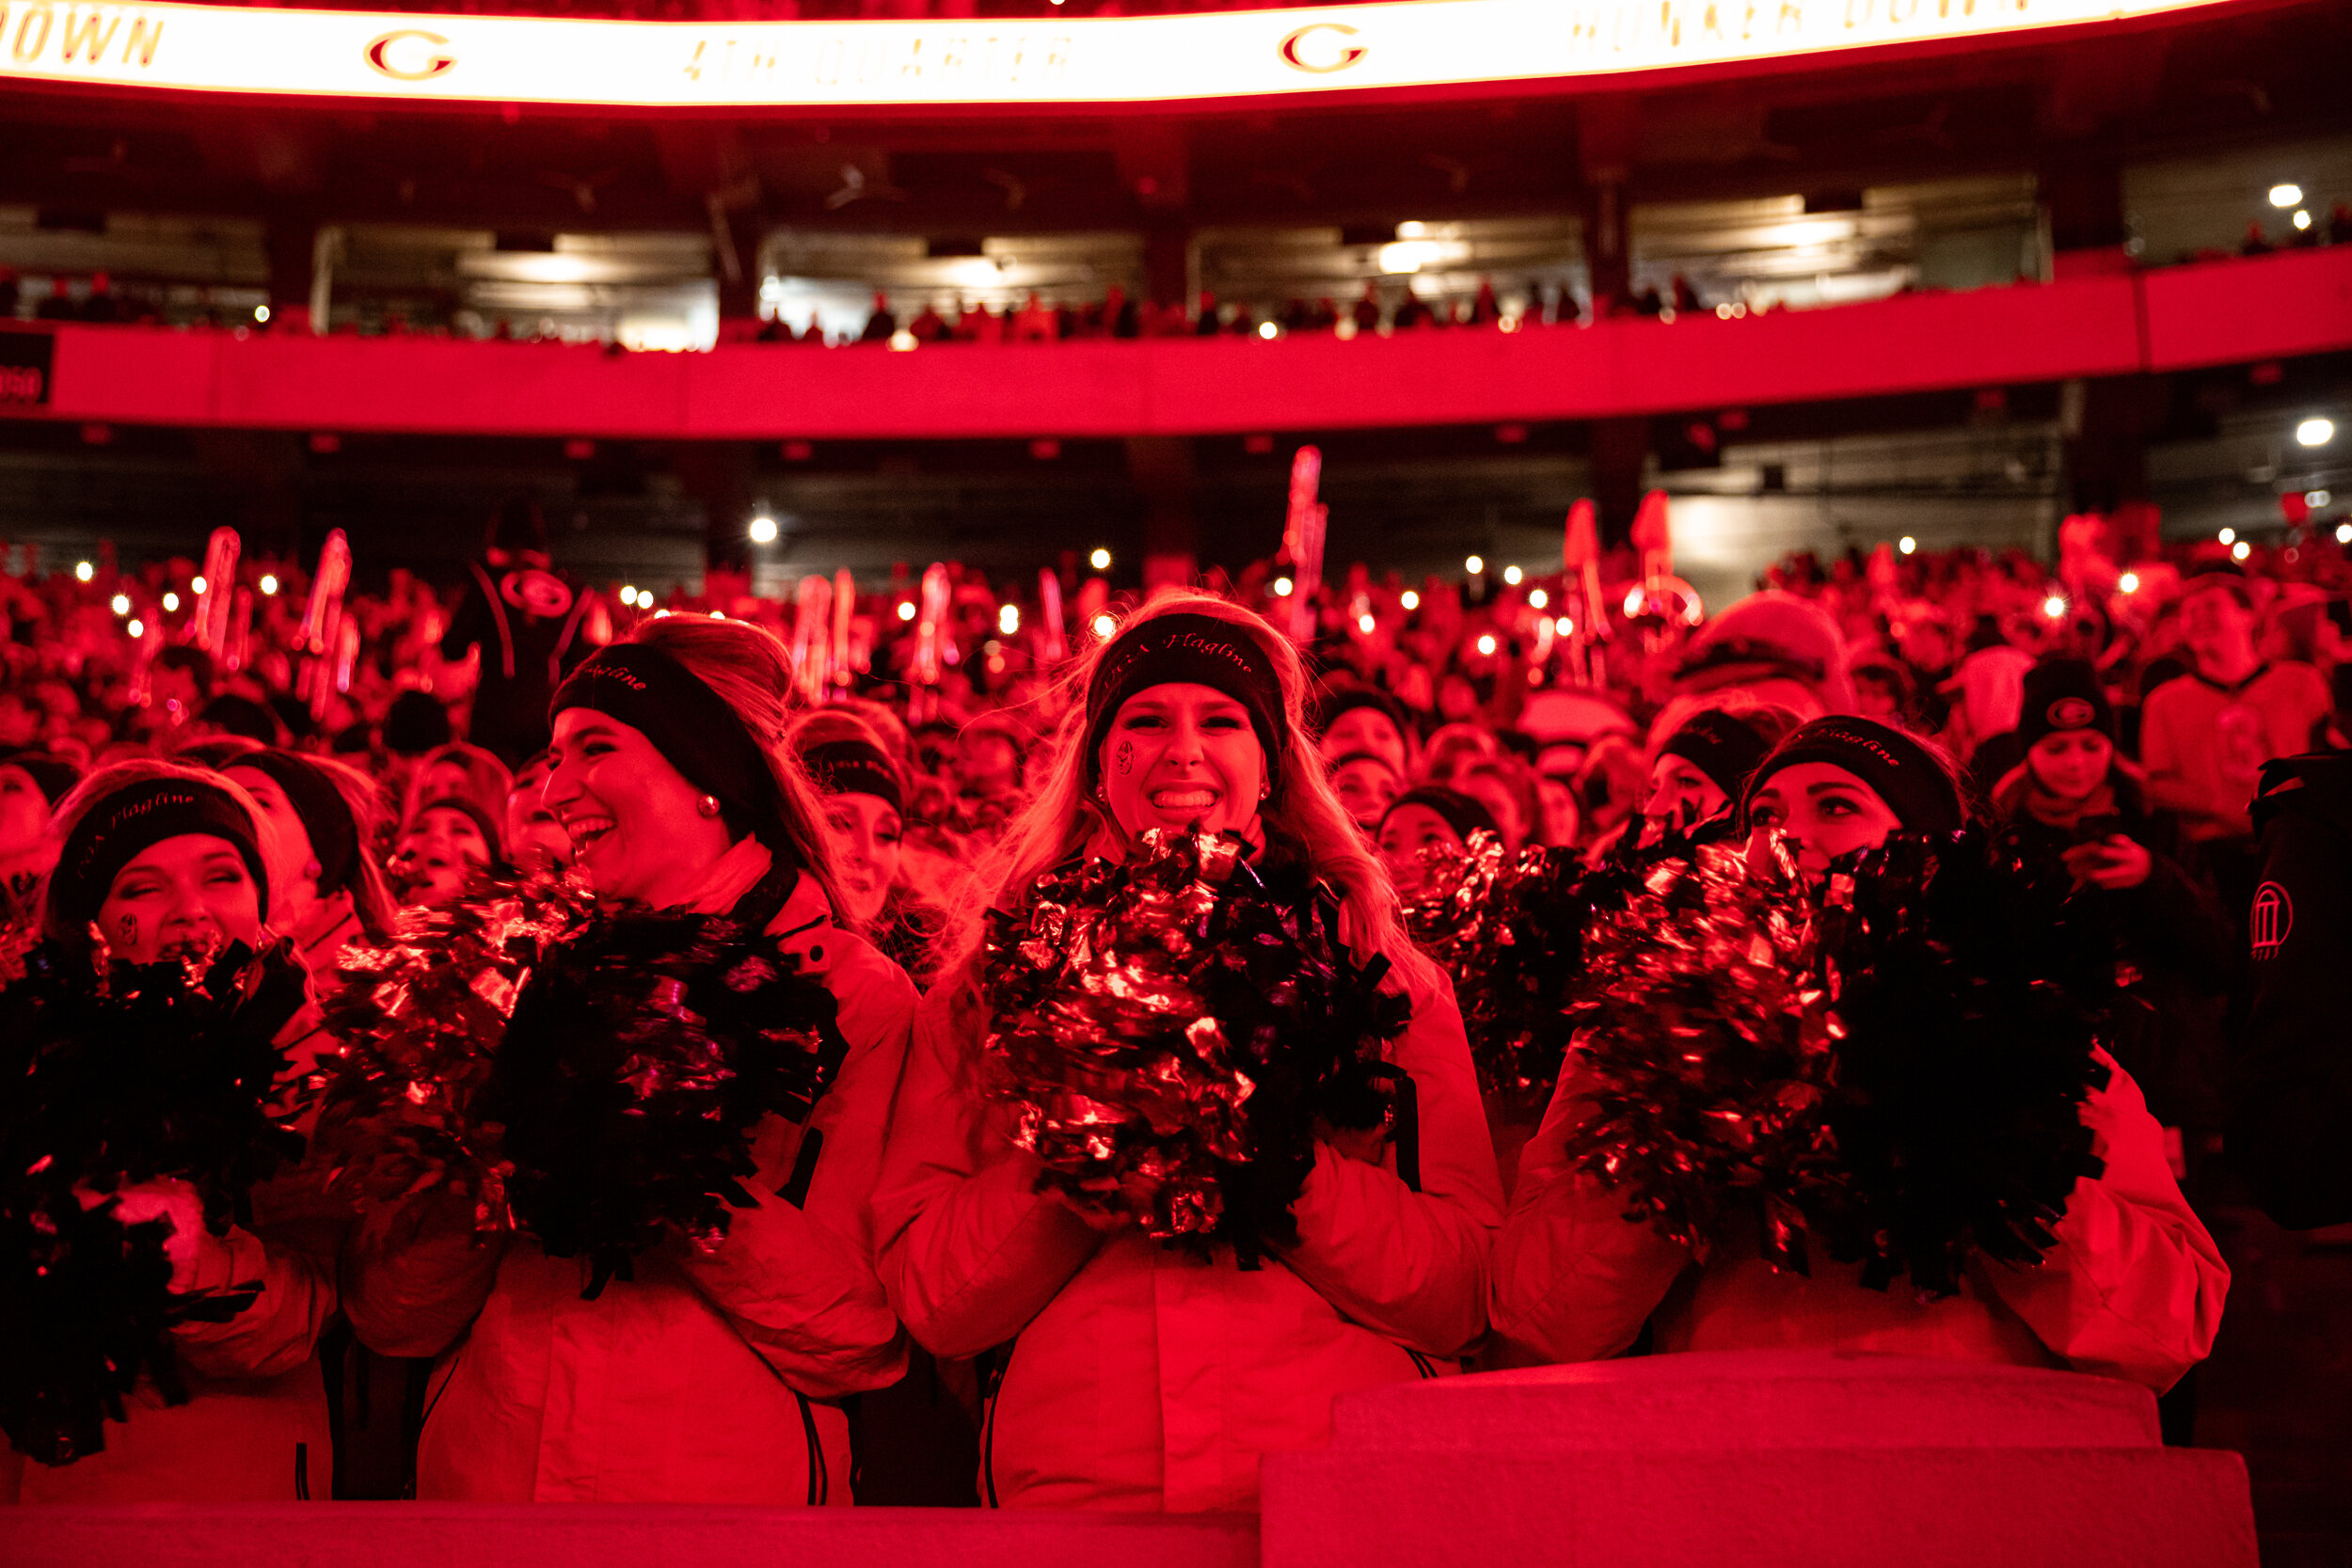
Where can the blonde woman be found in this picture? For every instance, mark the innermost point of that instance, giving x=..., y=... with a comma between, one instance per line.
x=1129, y=1375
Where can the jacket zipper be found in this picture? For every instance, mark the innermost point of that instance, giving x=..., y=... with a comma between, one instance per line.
x=1001, y=1363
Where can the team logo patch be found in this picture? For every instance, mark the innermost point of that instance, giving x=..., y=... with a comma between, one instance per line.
x=2272, y=918
x=2071, y=713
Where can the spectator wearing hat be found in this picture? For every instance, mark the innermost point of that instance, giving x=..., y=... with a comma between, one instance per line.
x=1430, y=818
x=1779, y=648
x=1366, y=783
x=1362, y=720
x=1699, y=773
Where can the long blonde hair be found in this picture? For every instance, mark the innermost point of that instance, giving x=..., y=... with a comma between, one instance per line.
x=751, y=674
x=1301, y=816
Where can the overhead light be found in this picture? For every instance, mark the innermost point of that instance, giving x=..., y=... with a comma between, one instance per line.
x=260, y=313
x=2315, y=433
x=137, y=628
x=1485, y=644
x=2229, y=536
x=84, y=570
x=1008, y=619
x=763, y=530
x=269, y=582
x=171, y=601
x=1281, y=588
x=1365, y=622
x=2054, y=607
x=2285, y=195
x=2129, y=582
x=121, y=604
x=906, y=609
x=1565, y=626
x=2343, y=533
x=2240, y=550
x=1409, y=599
x=1474, y=564
x=2317, y=498
x=1268, y=330
x=1907, y=544
x=1512, y=575
x=2303, y=218
x=1100, y=561
x=1536, y=597
x=1105, y=624
x=197, y=585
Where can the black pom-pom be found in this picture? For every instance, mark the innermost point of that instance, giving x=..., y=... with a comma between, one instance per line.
x=642, y=1054
x=1887, y=1066
x=163, y=1070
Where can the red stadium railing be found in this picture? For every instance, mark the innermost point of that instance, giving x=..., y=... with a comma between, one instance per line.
x=2275, y=306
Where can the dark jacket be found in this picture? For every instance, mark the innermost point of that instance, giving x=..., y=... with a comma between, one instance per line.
x=2290, y=1125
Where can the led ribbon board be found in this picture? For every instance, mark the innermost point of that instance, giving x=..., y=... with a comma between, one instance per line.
x=1105, y=60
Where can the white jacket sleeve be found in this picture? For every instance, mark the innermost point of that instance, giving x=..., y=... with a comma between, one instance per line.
x=2134, y=1286
x=969, y=1250
x=1412, y=1264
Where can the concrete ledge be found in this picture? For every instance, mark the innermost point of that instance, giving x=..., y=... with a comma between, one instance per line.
x=1783, y=1508
x=601, y=1535
x=1745, y=1399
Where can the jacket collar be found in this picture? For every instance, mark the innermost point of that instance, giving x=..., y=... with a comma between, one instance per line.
x=803, y=928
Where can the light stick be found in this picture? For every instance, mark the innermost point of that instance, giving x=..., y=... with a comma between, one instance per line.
x=844, y=611
x=211, y=620
x=1302, y=541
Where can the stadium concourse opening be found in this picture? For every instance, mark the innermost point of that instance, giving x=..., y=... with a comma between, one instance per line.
x=1466, y=781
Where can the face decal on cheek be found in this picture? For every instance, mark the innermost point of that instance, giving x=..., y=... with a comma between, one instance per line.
x=1123, y=757
x=127, y=931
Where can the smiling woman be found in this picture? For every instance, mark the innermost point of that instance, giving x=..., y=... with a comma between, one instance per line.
x=729, y=1330
x=1186, y=721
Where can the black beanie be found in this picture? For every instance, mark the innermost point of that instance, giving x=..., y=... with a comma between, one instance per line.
x=1899, y=769
x=2063, y=694
x=1720, y=745
x=1461, y=812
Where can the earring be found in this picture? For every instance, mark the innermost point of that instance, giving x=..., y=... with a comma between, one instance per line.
x=1265, y=790
x=311, y=869
x=709, y=806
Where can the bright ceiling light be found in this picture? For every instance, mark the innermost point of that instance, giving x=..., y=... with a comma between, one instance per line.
x=1474, y=564
x=1537, y=599
x=906, y=609
x=2229, y=536
x=2303, y=218
x=1906, y=544
x=1409, y=599
x=1281, y=588
x=84, y=570
x=197, y=585
x=763, y=530
x=1485, y=644
x=2240, y=550
x=1008, y=619
x=1100, y=561
x=1267, y=330
x=2315, y=433
x=1365, y=624
x=2055, y=607
x=2285, y=195
x=137, y=628
x=121, y=604
x=171, y=601
x=2129, y=582
x=1512, y=575
x=269, y=582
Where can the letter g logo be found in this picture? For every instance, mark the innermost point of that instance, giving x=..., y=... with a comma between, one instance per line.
x=417, y=67
x=1303, y=51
